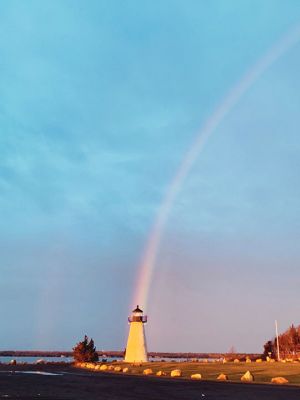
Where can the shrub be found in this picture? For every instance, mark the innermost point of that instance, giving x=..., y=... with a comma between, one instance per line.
x=85, y=351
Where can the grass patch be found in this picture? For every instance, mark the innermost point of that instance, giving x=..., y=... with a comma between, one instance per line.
x=263, y=372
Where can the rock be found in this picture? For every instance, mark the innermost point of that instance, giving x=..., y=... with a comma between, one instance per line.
x=103, y=367
x=236, y=360
x=222, y=377
x=279, y=380
x=259, y=360
x=148, y=371
x=224, y=361
x=40, y=361
x=111, y=368
x=13, y=362
x=118, y=369
x=196, y=376
x=97, y=367
x=247, y=377
x=248, y=360
x=175, y=373
x=126, y=369
x=161, y=373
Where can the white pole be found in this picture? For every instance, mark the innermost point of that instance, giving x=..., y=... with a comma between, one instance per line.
x=277, y=339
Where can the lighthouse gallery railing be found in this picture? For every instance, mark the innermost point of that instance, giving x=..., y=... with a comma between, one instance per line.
x=134, y=318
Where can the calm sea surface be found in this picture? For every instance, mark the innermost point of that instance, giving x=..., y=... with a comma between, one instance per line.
x=33, y=360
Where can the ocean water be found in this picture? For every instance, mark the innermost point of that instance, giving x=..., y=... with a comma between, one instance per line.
x=33, y=360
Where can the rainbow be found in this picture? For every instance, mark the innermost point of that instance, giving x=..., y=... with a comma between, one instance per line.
x=148, y=262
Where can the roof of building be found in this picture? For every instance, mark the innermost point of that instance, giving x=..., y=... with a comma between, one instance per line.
x=137, y=309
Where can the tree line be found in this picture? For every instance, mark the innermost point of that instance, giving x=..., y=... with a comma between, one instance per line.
x=289, y=344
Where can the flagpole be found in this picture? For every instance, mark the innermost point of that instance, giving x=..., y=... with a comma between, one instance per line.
x=277, y=339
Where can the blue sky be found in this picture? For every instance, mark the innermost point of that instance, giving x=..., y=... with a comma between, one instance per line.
x=99, y=102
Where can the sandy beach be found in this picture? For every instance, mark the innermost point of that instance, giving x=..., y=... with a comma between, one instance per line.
x=71, y=383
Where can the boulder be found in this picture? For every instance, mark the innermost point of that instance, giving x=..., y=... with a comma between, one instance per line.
x=40, y=361
x=236, y=360
x=103, y=367
x=175, y=373
x=196, y=376
x=110, y=368
x=279, y=380
x=161, y=373
x=247, y=377
x=222, y=377
x=118, y=369
x=259, y=360
x=126, y=369
x=148, y=371
x=248, y=360
x=13, y=362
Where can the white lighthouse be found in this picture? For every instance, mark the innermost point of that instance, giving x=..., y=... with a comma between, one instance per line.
x=136, y=349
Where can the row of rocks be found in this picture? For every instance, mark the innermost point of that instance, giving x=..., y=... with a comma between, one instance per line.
x=247, y=377
x=259, y=360
x=248, y=360
x=102, y=367
x=175, y=373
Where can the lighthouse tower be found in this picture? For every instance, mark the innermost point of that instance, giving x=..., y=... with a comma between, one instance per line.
x=136, y=349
